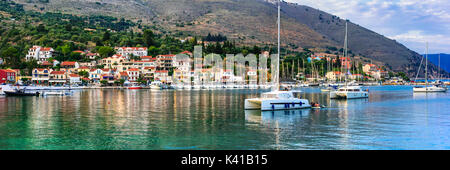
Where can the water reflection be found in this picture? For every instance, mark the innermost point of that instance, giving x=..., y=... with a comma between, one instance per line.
x=392, y=118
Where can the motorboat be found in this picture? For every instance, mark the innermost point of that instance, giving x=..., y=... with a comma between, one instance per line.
x=352, y=92
x=276, y=100
x=20, y=92
x=134, y=87
x=156, y=85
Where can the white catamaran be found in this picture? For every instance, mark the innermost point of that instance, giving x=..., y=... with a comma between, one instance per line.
x=276, y=99
x=349, y=91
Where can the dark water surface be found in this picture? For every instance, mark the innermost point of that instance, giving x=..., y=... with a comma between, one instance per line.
x=392, y=118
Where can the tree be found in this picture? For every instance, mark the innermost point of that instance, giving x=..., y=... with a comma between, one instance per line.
x=84, y=74
x=11, y=56
x=103, y=82
x=105, y=51
x=153, y=50
x=149, y=38
x=106, y=36
x=65, y=50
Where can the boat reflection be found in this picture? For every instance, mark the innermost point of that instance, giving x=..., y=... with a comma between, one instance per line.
x=284, y=117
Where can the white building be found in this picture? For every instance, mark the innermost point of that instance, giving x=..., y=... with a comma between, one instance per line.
x=39, y=53
x=131, y=51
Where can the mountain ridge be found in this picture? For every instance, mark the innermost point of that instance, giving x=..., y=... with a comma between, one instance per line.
x=247, y=22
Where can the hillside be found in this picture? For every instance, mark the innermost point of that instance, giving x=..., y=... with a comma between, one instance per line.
x=246, y=22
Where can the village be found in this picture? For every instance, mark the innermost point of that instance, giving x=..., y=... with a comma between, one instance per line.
x=133, y=65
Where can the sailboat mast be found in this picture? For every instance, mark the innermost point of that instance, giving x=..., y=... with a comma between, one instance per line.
x=439, y=67
x=426, y=67
x=278, y=63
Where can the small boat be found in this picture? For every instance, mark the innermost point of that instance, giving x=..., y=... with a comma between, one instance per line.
x=315, y=105
x=156, y=85
x=134, y=87
x=21, y=92
x=53, y=93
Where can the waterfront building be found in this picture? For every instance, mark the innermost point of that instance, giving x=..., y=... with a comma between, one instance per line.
x=122, y=75
x=95, y=75
x=148, y=73
x=74, y=79
x=108, y=75
x=69, y=66
x=133, y=74
x=41, y=75
x=7, y=76
x=113, y=61
x=127, y=52
x=163, y=76
x=334, y=75
x=39, y=53
x=58, y=77
x=165, y=62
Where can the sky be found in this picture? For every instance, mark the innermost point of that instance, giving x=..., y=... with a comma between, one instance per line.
x=410, y=22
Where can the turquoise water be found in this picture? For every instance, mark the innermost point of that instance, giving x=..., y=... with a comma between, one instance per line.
x=392, y=118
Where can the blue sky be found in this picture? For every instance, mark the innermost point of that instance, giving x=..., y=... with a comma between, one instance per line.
x=410, y=22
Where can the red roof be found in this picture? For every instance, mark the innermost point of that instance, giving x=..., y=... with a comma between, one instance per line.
x=58, y=72
x=8, y=70
x=87, y=79
x=46, y=63
x=167, y=55
x=133, y=69
x=92, y=54
x=78, y=51
x=161, y=71
x=68, y=63
x=133, y=48
x=123, y=73
x=146, y=57
x=74, y=75
x=84, y=67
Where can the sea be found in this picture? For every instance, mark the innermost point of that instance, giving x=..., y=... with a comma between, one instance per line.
x=392, y=118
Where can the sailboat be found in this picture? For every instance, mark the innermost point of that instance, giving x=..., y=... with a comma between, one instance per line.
x=427, y=88
x=276, y=99
x=349, y=91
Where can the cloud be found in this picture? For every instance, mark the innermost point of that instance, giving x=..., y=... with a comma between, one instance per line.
x=411, y=22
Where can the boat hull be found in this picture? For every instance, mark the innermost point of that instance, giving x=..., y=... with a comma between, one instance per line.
x=430, y=90
x=276, y=104
x=18, y=94
x=353, y=95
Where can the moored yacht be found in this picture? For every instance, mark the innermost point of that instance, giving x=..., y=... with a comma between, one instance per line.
x=434, y=88
x=276, y=99
x=352, y=92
